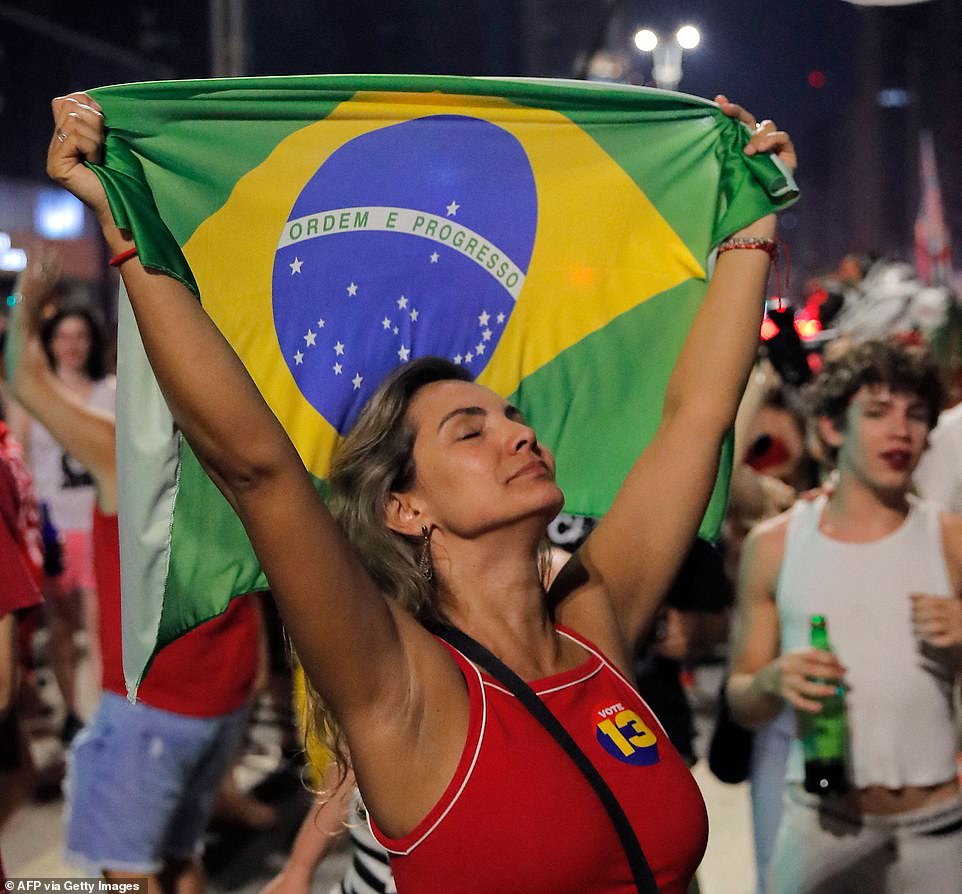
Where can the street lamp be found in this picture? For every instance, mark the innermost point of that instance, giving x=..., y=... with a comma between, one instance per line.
x=688, y=37
x=646, y=40
x=666, y=55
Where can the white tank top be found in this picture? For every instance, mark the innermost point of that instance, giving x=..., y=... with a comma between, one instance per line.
x=59, y=480
x=899, y=700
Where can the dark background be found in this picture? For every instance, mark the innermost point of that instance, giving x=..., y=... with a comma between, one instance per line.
x=859, y=157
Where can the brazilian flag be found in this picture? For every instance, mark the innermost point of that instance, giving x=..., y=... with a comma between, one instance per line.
x=552, y=237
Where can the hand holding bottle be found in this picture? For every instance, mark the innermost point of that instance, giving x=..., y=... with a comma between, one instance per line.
x=824, y=733
x=803, y=677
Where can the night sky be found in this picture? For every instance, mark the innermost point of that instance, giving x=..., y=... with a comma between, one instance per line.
x=761, y=53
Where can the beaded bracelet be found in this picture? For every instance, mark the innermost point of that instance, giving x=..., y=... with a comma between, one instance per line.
x=125, y=255
x=769, y=246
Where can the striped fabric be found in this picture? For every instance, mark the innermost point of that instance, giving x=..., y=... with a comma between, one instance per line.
x=369, y=872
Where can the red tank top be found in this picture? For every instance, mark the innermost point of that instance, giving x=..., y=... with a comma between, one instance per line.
x=21, y=547
x=519, y=816
x=207, y=672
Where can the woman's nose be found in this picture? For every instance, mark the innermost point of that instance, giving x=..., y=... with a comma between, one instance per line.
x=524, y=436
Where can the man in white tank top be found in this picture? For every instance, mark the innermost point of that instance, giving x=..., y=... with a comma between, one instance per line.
x=939, y=475
x=885, y=569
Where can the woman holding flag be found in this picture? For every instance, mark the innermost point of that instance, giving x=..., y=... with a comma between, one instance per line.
x=441, y=495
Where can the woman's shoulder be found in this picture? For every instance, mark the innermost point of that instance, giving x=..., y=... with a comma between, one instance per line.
x=587, y=612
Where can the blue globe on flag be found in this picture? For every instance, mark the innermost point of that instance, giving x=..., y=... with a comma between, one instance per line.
x=410, y=240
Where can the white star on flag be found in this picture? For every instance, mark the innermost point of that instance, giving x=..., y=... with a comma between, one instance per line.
x=339, y=349
x=434, y=257
x=483, y=318
x=298, y=358
x=486, y=335
x=320, y=324
x=395, y=330
x=479, y=348
x=310, y=338
x=402, y=302
x=296, y=266
x=468, y=357
x=386, y=323
x=500, y=318
x=457, y=359
x=453, y=208
x=352, y=289
x=403, y=353
x=356, y=381
x=414, y=315
x=337, y=369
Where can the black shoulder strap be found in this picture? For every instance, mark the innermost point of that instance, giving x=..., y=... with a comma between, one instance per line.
x=474, y=651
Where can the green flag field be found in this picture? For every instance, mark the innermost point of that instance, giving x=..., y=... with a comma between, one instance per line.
x=553, y=237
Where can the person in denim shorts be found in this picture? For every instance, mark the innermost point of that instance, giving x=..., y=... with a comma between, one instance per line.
x=141, y=778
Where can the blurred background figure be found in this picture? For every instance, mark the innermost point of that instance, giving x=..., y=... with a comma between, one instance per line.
x=939, y=475
x=772, y=467
x=885, y=571
x=21, y=561
x=73, y=342
x=142, y=777
x=337, y=812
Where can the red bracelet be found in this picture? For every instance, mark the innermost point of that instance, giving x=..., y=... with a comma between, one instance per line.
x=770, y=247
x=125, y=255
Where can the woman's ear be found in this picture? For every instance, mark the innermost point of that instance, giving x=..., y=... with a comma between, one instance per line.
x=830, y=432
x=402, y=515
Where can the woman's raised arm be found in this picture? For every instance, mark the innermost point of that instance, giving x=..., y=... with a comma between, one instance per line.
x=87, y=433
x=638, y=547
x=329, y=603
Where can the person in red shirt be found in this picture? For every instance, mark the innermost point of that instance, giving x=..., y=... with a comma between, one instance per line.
x=141, y=778
x=441, y=496
x=21, y=545
x=21, y=561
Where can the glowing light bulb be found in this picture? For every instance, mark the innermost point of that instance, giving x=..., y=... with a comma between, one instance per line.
x=646, y=40
x=688, y=37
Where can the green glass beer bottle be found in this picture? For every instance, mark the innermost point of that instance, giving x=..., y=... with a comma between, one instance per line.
x=825, y=735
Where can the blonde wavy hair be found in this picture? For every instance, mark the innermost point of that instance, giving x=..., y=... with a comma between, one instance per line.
x=375, y=460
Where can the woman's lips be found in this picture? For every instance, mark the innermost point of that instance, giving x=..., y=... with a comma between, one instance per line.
x=536, y=467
